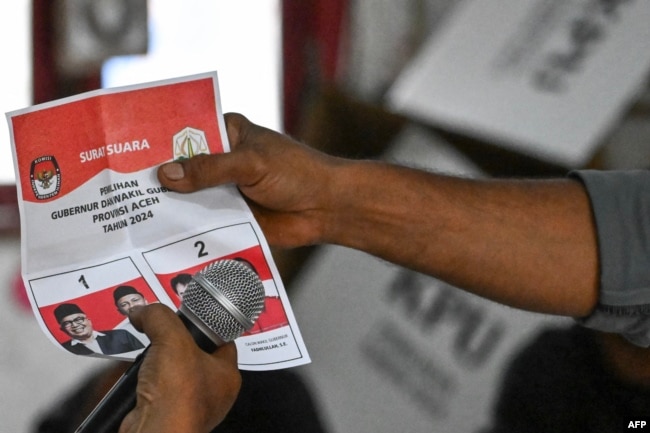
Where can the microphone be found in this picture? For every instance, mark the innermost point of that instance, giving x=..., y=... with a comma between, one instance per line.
x=221, y=302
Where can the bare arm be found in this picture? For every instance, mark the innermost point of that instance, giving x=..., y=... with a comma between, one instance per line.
x=528, y=244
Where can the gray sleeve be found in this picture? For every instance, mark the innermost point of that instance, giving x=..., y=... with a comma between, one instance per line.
x=620, y=203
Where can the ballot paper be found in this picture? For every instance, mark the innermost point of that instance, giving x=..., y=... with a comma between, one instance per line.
x=94, y=217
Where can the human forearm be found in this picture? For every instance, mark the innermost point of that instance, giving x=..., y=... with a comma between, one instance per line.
x=528, y=244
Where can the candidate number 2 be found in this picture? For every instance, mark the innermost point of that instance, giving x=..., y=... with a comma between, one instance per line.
x=201, y=246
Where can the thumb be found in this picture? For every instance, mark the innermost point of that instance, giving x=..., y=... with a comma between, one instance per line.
x=157, y=321
x=204, y=171
x=199, y=172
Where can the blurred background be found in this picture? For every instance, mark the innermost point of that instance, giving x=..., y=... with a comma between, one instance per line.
x=533, y=88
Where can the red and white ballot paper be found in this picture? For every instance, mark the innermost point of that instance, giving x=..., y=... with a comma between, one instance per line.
x=94, y=216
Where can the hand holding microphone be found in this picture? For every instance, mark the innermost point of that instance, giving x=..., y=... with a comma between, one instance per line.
x=191, y=390
x=183, y=384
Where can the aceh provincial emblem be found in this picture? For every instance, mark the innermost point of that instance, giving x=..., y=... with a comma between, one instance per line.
x=189, y=142
x=45, y=177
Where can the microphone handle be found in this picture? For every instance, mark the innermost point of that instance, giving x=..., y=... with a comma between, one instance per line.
x=107, y=416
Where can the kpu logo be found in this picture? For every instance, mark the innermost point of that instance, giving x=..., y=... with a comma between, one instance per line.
x=45, y=177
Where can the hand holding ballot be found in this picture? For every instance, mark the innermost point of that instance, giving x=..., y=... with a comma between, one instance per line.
x=283, y=180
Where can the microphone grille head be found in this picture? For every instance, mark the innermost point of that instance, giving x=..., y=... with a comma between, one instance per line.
x=226, y=296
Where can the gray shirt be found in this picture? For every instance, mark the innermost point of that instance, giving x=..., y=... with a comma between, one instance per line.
x=620, y=201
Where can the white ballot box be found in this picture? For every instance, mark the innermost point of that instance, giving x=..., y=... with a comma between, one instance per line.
x=545, y=78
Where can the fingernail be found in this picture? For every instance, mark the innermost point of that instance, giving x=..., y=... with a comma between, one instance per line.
x=173, y=171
